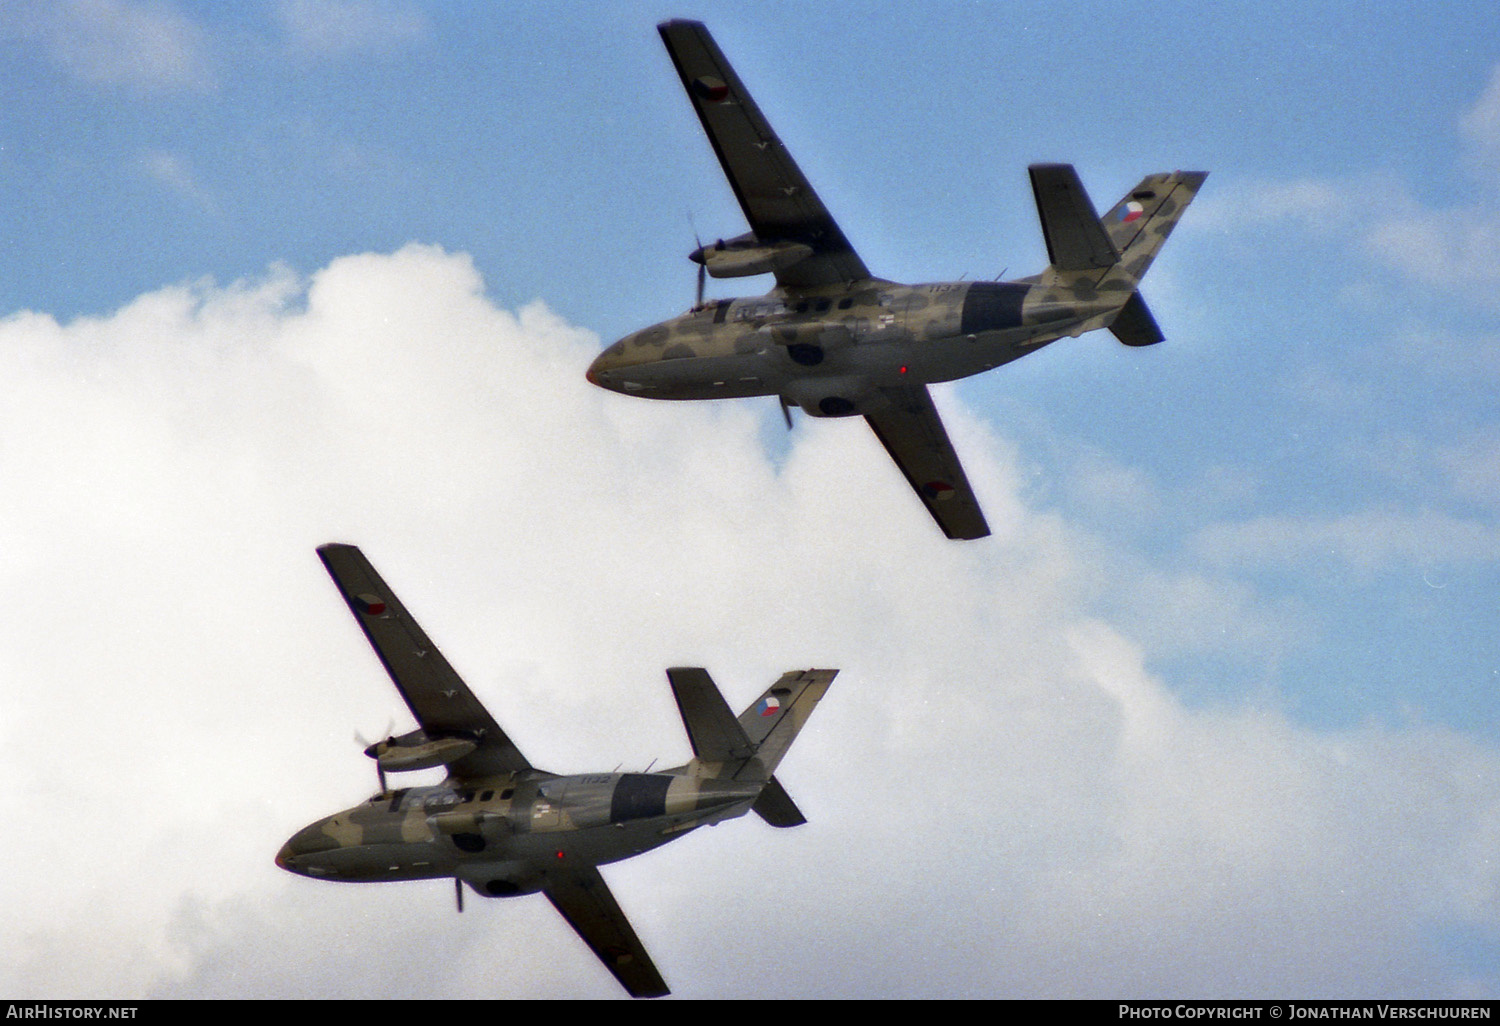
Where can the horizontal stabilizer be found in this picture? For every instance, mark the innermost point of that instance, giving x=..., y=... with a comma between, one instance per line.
x=776, y=807
x=1076, y=241
x=1134, y=324
x=716, y=736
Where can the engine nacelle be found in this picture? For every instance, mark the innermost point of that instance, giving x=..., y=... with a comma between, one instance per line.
x=416, y=751
x=745, y=255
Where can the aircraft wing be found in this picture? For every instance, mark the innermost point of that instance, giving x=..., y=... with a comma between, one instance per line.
x=913, y=434
x=436, y=695
x=584, y=900
x=777, y=200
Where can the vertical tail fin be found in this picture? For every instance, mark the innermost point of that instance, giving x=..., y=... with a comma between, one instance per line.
x=782, y=711
x=1142, y=220
x=1097, y=263
x=751, y=746
x=1109, y=254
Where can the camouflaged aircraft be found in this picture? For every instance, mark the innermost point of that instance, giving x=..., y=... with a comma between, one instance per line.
x=833, y=340
x=503, y=827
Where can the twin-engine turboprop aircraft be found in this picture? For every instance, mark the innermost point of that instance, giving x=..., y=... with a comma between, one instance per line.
x=837, y=342
x=828, y=338
x=503, y=827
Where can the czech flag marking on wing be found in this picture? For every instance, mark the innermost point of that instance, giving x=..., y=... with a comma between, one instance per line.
x=769, y=706
x=1131, y=211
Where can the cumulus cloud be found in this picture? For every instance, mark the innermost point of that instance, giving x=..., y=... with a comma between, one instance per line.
x=1003, y=800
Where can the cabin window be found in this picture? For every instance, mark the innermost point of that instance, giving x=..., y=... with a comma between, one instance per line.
x=845, y=303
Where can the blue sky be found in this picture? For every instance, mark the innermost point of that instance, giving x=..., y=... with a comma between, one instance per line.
x=282, y=273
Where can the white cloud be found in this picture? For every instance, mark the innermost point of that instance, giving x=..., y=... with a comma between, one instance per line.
x=1367, y=540
x=339, y=28
x=1451, y=250
x=1480, y=126
x=149, y=46
x=174, y=173
x=1472, y=464
x=1002, y=801
x=1383, y=219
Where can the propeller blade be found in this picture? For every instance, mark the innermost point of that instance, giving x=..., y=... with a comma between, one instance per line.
x=458, y=892
x=363, y=742
x=786, y=411
x=368, y=748
x=702, y=266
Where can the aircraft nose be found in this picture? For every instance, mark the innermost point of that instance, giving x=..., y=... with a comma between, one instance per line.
x=307, y=841
x=601, y=371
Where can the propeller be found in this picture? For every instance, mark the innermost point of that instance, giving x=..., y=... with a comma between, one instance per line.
x=702, y=264
x=368, y=745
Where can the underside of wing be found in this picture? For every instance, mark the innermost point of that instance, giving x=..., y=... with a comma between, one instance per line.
x=584, y=900
x=436, y=695
x=913, y=434
x=784, y=212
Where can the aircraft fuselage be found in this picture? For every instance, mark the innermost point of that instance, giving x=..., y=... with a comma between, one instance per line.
x=502, y=834
x=831, y=350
